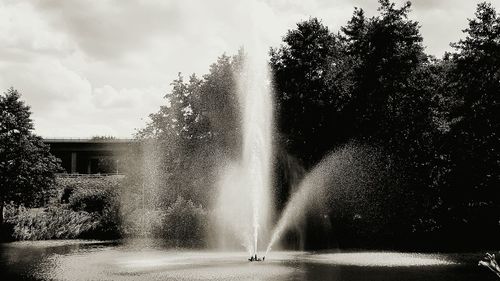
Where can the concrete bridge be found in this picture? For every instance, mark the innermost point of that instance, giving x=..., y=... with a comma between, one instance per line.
x=91, y=156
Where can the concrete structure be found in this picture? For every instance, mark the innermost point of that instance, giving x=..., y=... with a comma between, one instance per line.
x=91, y=156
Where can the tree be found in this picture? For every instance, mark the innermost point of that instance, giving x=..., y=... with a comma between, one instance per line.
x=26, y=166
x=185, y=140
x=387, y=51
x=472, y=193
x=372, y=83
x=197, y=127
x=306, y=97
x=219, y=103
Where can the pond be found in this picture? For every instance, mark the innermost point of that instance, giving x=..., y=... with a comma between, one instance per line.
x=96, y=260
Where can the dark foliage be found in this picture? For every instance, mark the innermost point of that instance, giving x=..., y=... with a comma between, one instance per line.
x=434, y=123
x=26, y=166
x=424, y=171
x=436, y=119
x=470, y=189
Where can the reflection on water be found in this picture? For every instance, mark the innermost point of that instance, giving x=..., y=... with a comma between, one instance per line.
x=94, y=260
x=382, y=259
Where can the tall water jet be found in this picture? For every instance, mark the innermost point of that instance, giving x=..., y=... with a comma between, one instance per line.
x=254, y=88
x=244, y=199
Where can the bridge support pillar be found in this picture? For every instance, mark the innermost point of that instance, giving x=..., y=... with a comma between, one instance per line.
x=73, y=162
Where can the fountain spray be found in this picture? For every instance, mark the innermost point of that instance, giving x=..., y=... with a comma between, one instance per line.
x=244, y=198
x=256, y=101
x=312, y=191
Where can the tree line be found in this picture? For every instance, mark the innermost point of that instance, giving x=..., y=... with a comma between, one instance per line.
x=437, y=119
x=434, y=119
x=433, y=123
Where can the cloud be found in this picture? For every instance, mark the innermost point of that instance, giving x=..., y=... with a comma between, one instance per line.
x=109, y=29
x=101, y=67
x=65, y=103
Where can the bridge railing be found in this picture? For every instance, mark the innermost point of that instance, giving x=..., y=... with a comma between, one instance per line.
x=87, y=140
x=66, y=175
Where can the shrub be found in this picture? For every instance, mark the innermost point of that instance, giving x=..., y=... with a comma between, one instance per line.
x=61, y=223
x=108, y=223
x=66, y=186
x=90, y=200
x=66, y=193
x=181, y=224
x=52, y=223
x=184, y=223
x=89, y=209
x=103, y=204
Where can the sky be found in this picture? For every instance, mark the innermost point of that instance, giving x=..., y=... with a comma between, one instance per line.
x=100, y=67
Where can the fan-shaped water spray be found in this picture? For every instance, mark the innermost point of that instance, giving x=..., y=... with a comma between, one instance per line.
x=310, y=191
x=340, y=170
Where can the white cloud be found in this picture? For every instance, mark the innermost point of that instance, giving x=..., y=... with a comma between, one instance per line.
x=98, y=68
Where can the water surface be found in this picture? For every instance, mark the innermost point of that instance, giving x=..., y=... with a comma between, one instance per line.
x=95, y=260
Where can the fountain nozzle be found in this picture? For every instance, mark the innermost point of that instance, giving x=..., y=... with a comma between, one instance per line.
x=255, y=258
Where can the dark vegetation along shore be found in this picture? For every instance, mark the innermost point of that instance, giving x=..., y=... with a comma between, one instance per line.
x=431, y=124
x=77, y=208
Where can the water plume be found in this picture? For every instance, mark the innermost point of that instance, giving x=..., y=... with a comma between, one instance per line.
x=339, y=170
x=244, y=199
x=257, y=138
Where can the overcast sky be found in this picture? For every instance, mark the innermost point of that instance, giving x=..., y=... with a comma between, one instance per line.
x=100, y=67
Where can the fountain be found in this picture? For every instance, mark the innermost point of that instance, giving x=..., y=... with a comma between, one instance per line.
x=244, y=199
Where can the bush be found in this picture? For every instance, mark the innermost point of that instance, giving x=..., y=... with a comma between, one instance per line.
x=82, y=208
x=61, y=223
x=90, y=208
x=90, y=200
x=184, y=224
x=109, y=224
x=67, y=186
x=181, y=224
x=103, y=204
x=52, y=223
x=97, y=196
x=66, y=193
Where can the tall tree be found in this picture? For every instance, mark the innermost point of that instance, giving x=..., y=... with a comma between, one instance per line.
x=392, y=96
x=26, y=166
x=472, y=194
x=197, y=126
x=373, y=83
x=304, y=92
x=387, y=51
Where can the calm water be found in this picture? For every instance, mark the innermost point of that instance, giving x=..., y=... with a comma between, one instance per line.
x=93, y=260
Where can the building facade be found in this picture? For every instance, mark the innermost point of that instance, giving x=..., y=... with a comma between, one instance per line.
x=91, y=156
